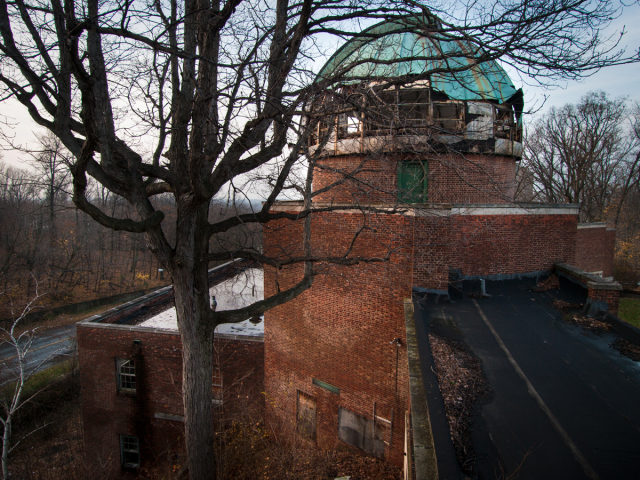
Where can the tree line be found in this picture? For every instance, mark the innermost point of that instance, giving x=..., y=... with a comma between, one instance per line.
x=589, y=154
x=46, y=242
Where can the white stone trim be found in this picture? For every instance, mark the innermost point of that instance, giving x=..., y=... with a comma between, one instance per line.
x=592, y=225
x=437, y=210
x=514, y=210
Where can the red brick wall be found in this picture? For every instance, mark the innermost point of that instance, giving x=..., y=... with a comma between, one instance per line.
x=488, y=245
x=108, y=414
x=468, y=178
x=340, y=330
x=506, y=244
x=594, y=249
x=610, y=296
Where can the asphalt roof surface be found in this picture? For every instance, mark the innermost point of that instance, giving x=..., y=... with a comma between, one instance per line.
x=563, y=403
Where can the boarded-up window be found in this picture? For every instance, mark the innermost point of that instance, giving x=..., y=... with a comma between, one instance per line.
x=358, y=431
x=306, y=416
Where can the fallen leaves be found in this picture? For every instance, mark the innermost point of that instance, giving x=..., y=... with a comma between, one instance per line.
x=461, y=383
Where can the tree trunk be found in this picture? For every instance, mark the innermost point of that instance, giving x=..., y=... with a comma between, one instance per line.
x=191, y=290
x=6, y=438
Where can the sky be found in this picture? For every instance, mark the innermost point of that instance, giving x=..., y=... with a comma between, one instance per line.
x=616, y=81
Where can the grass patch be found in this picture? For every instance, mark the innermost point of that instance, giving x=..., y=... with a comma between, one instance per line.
x=42, y=379
x=629, y=311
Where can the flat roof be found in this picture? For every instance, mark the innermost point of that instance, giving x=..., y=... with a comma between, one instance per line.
x=239, y=291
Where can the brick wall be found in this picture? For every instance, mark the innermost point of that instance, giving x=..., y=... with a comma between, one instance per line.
x=340, y=331
x=511, y=244
x=594, y=248
x=611, y=297
x=153, y=413
x=486, y=244
x=453, y=178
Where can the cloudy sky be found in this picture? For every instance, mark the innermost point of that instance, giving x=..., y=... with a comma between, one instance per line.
x=616, y=81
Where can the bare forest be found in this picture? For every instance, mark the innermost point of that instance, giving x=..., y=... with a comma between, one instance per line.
x=589, y=154
x=49, y=244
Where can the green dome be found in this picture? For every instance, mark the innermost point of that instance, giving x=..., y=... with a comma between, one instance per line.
x=390, y=50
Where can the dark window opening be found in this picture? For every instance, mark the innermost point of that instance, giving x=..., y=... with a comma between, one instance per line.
x=413, y=109
x=126, y=372
x=380, y=118
x=448, y=116
x=504, y=124
x=129, y=451
x=412, y=182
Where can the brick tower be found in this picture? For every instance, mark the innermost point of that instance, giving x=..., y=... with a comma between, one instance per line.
x=414, y=146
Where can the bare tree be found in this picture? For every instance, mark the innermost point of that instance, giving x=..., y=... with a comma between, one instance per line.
x=221, y=87
x=20, y=343
x=51, y=162
x=21, y=229
x=585, y=153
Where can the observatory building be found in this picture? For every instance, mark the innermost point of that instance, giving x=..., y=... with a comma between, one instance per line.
x=415, y=142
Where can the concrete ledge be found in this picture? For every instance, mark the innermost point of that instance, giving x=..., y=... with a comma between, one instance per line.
x=586, y=279
x=158, y=297
x=594, y=225
x=424, y=453
x=163, y=331
x=437, y=209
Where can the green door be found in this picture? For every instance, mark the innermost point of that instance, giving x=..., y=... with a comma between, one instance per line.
x=412, y=182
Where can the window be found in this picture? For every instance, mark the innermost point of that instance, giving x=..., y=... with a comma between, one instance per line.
x=129, y=451
x=412, y=182
x=126, y=372
x=218, y=391
x=413, y=109
x=306, y=416
x=359, y=431
x=504, y=124
x=448, y=116
x=348, y=125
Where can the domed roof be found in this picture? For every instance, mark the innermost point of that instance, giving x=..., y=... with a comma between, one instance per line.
x=391, y=49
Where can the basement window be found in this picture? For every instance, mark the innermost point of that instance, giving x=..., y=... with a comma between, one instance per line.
x=129, y=452
x=412, y=182
x=126, y=374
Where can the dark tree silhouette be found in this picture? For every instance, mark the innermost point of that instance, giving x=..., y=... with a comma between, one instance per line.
x=220, y=88
x=585, y=153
